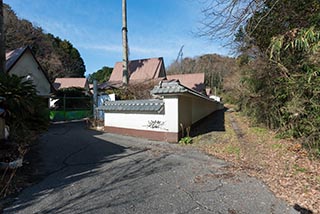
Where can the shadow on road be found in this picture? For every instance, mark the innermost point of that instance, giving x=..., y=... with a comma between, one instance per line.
x=213, y=122
x=73, y=163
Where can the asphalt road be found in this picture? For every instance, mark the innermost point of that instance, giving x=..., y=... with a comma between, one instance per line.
x=85, y=171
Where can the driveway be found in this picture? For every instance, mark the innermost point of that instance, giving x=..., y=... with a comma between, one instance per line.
x=86, y=171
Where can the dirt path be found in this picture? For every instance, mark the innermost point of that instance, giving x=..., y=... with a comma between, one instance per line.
x=282, y=164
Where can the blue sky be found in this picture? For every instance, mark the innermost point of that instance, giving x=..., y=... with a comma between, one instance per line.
x=155, y=28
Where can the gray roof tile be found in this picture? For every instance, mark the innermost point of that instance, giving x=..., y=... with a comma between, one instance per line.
x=146, y=106
x=172, y=87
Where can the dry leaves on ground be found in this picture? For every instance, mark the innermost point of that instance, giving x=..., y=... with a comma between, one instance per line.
x=282, y=164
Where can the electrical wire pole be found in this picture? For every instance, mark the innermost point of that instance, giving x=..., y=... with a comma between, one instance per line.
x=125, y=73
x=2, y=41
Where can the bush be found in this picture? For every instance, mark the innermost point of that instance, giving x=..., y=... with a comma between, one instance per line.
x=27, y=113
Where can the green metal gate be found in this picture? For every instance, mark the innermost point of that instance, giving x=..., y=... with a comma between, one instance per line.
x=71, y=108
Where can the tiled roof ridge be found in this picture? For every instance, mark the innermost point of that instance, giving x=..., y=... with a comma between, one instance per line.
x=175, y=87
x=135, y=102
x=151, y=106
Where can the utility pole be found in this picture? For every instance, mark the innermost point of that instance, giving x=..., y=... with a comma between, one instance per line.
x=125, y=73
x=2, y=41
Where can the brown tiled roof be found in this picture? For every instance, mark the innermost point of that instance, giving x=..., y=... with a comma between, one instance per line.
x=13, y=56
x=141, y=69
x=70, y=82
x=193, y=81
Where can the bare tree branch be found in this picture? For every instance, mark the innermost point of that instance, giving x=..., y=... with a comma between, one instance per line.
x=222, y=19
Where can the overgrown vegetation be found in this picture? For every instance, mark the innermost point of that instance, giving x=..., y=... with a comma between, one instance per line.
x=279, y=58
x=282, y=164
x=27, y=115
x=282, y=86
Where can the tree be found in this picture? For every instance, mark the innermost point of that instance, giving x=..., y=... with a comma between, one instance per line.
x=102, y=75
x=214, y=66
x=222, y=19
x=278, y=42
x=58, y=57
x=72, y=63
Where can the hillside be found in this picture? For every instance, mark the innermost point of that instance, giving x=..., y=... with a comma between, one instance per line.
x=217, y=68
x=58, y=57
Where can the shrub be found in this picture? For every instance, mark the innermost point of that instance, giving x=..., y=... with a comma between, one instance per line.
x=27, y=113
x=186, y=140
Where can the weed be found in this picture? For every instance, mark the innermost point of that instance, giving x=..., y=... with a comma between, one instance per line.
x=259, y=130
x=230, y=149
x=318, y=179
x=186, y=140
x=299, y=169
x=276, y=146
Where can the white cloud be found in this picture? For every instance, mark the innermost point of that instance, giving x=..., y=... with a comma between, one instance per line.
x=106, y=48
x=134, y=50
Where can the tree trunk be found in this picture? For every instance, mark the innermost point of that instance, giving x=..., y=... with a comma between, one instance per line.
x=2, y=41
x=125, y=75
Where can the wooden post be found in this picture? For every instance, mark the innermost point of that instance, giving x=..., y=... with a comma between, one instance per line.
x=125, y=74
x=95, y=100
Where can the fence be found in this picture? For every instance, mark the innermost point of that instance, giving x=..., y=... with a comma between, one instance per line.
x=70, y=108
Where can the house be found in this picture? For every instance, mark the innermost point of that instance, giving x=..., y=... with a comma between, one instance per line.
x=142, y=70
x=139, y=70
x=193, y=81
x=78, y=82
x=165, y=118
x=22, y=62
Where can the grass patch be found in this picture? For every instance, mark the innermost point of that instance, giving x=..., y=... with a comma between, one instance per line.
x=233, y=150
x=259, y=130
x=277, y=146
x=318, y=180
x=297, y=168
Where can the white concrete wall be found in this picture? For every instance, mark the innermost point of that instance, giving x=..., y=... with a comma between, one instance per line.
x=136, y=121
x=28, y=66
x=167, y=122
x=193, y=109
x=172, y=113
x=202, y=108
x=184, y=110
